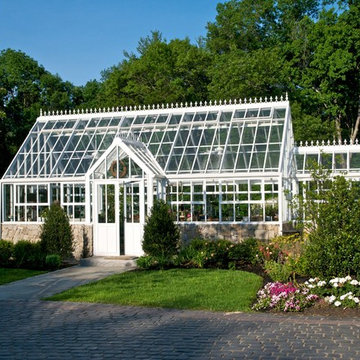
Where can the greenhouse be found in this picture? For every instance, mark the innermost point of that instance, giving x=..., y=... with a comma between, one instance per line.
x=227, y=169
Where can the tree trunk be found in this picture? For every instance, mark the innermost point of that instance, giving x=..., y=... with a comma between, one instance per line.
x=355, y=129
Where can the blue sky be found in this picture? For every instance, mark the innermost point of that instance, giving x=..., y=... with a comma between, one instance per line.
x=77, y=39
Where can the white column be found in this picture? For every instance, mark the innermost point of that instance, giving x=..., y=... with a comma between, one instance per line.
x=281, y=195
x=142, y=201
x=150, y=193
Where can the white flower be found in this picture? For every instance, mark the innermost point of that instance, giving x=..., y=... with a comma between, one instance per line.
x=331, y=299
x=337, y=303
x=347, y=278
x=311, y=286
x=354, y=282
x=312, y=280
x=335, y=285
x=356, y=300
x=335, y=280
x=350, y=297
x=321, y=283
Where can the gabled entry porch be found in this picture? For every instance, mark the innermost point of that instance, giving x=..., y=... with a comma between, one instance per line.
x=123, y=183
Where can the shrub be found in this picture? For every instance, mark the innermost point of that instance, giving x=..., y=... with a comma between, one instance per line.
x=245, y=252
x=333, y=247
x=6, y=250
x=278, y=272
x=153, y=262
x=28, y=255
x=56, y=235
x=53, y=261
x=161, y=234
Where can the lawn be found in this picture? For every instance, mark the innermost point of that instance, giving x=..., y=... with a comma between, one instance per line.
x=9, y=275
x=205, y=289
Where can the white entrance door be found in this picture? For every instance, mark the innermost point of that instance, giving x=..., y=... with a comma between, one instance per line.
x=106, y=219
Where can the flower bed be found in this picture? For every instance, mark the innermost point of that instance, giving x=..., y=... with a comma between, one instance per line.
x=284, y=297
x=340, y=291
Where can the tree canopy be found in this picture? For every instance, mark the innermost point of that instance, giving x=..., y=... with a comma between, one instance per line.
x=308, y=48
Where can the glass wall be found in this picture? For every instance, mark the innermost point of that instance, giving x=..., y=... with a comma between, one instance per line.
x=27, y=202
x=225, y=201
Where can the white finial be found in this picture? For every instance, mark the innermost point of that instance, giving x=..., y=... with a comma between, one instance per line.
x=162, y=106
x=225, y=102
x=334, y=142
x=250, y=100
x=41, y=114
x=205, y=103
x=266, y=99
x=306, y=143
x=196, y=104
x=339, y=141
x=210, y=102
x=176, y=105
x=117, y=108
x=345, y=142
x=286, y=96
x=281, y=98
x=245, y=101
x=172, y=105
x=78, y=111
x=317, y=142
x=214, y=102
x=235, y=101
x=271, y=98
x=126, y=108
x=322, y=142
x=328, y=142
x=201, y=103
x=57, y=112
x=276, y=98
x=301, y=143
x=356, y=141
x=312, y=143
x=240, y=101
x=260, y=99
x=191, y=104
x=167, y=105
x=230, y=102
x=255, y=100
x=186, y=104
x=130, y=107
x=181, y=104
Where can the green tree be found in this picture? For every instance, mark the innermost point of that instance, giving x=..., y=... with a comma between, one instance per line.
x=161, y=234
x=56, y=233
x=162, y=73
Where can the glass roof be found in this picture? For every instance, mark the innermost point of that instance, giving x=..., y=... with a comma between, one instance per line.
x=204, y=139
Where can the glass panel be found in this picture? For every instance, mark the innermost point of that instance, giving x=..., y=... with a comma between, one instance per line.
x=242, y=212
x=162, y=118
x=276, y=132
x=279, y=113
x=326, y=160
x=225, y=116
x=43, y=194
x=256, y=212
x=354, y=160
x=239, y=114
x=101, y=204
x=265, y=112
x=212, y=115
x=299, y=161
x=340, y=161
x=311, y=160
x=110, y=203
x=31, y=194
x=200, y=116
x=127, y=121
x=188, y=117
x=150, y=119
x=227, y=212
x=251, y=113
x=139, y=119
x=212, y=207
x=175, y=119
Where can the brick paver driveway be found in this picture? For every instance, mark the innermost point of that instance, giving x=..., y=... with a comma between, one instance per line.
x=58, y=330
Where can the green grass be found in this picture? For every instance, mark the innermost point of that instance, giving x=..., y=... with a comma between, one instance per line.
x=9, y=275
x=205, y=289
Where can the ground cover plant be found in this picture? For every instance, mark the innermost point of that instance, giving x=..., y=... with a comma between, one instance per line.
x=205, y=289
x=8, y=275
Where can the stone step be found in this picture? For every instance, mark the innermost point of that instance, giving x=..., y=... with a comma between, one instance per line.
x=109, y=261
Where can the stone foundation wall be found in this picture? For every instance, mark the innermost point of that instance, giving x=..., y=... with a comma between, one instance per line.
x=83, y=236
x=232, y=232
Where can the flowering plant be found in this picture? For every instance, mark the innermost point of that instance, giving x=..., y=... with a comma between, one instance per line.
x=339, y=291
x=284, y=297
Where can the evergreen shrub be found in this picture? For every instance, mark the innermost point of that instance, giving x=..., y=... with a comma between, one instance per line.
x=161, y=234
x=28, y=255
x=56, y=235
x=53, y=261
x=6, y=250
